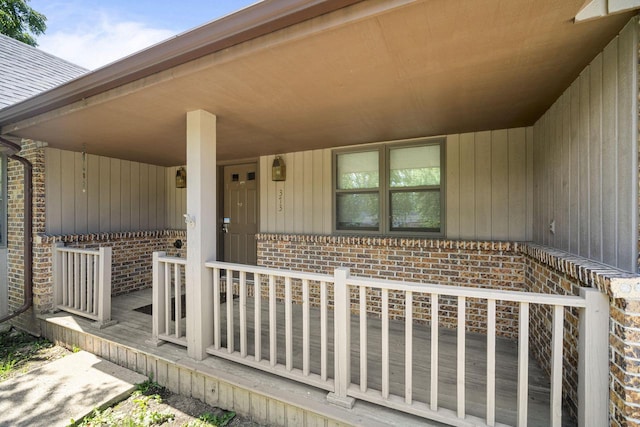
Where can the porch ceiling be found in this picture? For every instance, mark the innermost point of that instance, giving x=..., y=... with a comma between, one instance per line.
x=360, y=74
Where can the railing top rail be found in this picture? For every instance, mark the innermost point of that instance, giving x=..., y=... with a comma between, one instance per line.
x=466, y=291
x=78, y=250
x=270, y=271
x=173, y=260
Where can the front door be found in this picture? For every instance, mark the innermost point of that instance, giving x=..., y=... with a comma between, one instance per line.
x=240, y=213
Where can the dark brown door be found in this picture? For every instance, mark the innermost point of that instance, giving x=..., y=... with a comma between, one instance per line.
x=240, y=213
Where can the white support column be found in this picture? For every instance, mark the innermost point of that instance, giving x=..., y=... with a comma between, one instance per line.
x=201, y=229
x=593, y=363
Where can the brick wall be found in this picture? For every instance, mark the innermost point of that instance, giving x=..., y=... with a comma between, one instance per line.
x=131, y=256
x=491, y=265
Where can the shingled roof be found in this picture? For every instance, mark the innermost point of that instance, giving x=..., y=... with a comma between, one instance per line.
x=26, y=71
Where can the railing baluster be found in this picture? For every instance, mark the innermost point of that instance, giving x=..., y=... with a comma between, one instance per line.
x=556, y=366
x=491, y=362
x=257, y=298
x=157, y=297
x=288, y=327
x=96, y=284
x=243, y=314
x=178, y=300
x=230, y=326
x=91, y=306
x=76, y=281
x=435, y=311
x=323, y=331
x=70, y=280
x=408, y=351
x=363, y=339
x=65, y=279
x=460, y=383
x=83, y=282
x=167, y=300
x=523, y=364
x=305, y=327
x=273, y=337
x=216, y=308
x=385, y=343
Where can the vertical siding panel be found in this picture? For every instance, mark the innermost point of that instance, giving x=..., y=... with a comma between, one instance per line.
x=483, y=185
x=161, y=197
x=308, y=191
x=53, y=196
x=169, y=198
x=327, y=212
x=125, y=195
x=135, y=196
x=557, y=170
x=529, y=180
x=595, y=160
x=517, y=191
x=544, y=177
x=265, y=176
x=289, y=193
x=583, y=163
x=317, y=191
x=609, y=153
x=181, y=196
x=93, y=192
x=271, y=197
x=627, y=186
x=499, y=185
x=144, y=196
x=115, y=195
x=67, y=179
x=153, y=188
x=452, y=184
x=574, y=183
x=563, y=228
x=537, y=185
x=105, y=194
x=298, y=184
x=467, y=186
x=81, y=196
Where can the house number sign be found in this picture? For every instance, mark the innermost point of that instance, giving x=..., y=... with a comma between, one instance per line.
x=281, y=200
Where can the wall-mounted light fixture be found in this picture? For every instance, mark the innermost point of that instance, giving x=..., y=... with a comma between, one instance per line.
x=181, y=178
x=278, y=170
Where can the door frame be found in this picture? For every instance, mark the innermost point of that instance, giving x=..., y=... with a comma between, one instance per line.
x=220, y=190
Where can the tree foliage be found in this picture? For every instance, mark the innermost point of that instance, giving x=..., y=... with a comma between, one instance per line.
x=21, y=22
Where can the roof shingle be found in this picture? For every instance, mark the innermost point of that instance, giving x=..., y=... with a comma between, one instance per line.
x=26, y=71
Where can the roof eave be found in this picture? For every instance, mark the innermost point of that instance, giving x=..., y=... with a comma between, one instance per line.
x=247, y=24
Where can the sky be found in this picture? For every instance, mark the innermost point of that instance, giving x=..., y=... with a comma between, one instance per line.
x=93, y=33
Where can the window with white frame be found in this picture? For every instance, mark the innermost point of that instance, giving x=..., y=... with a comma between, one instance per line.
x=394, y=188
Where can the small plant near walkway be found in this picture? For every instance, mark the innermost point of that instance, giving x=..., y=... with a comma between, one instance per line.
x=21, y=352
x=146, y=407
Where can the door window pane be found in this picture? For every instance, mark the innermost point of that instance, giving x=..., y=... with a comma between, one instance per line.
x=358, y=171
x=415, y=210
x=414, y=166
x=357, y=211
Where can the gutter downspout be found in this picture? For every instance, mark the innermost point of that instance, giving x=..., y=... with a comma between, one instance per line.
x=11, y=149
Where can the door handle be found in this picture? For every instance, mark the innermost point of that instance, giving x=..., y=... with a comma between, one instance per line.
x=225, y=228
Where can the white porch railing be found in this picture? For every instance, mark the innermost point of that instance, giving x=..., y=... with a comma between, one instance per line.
x=168, y=305
x=243, y=340
x=82, y=282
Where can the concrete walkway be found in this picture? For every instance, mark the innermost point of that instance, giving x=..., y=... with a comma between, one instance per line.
x=67, y=388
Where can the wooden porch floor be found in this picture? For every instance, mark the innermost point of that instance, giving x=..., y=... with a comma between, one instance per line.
x=135, y=327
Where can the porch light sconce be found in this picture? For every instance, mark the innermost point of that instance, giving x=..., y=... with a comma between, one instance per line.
x=181, y=178
x=278, y=170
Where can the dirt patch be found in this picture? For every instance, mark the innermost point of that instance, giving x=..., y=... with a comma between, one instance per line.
x=21, y=352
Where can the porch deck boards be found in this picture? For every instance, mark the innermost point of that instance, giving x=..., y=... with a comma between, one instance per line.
x=134, y=328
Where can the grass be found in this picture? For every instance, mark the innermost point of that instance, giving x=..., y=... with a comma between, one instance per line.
x=17, y=349
x=141, y=411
